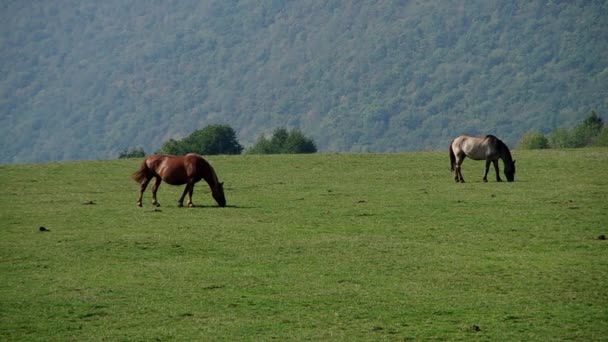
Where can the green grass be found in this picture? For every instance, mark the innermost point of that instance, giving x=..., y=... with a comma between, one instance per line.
x=365, y=247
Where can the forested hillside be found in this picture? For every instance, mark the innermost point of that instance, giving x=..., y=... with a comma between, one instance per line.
x=86, y=80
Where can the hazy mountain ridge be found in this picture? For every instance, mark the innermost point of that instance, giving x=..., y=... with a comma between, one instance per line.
x=85, y=81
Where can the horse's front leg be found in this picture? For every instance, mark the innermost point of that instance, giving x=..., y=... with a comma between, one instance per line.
x=142, y=188
x=187, y=190
x=157, y=182
x=485, y=175
x=495, y=162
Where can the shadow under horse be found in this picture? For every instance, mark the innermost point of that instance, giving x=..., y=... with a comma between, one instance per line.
x=188, y=170
x=488, y=148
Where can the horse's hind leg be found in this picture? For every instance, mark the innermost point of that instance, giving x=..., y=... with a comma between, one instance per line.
x=157, y=182
x=459, y=174
x=458, y=170
x=142, y=188
x=190, y=204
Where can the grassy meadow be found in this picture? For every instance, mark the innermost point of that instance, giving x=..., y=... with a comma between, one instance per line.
x=334, y=247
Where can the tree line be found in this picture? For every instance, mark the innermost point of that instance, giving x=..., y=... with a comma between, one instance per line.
x=589, y=132
x=221, y=139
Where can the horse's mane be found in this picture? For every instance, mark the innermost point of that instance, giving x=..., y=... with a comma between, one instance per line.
x=213, y=174
x=500, y=146
x=208, y=173
x=210, y=176
x=503, y=148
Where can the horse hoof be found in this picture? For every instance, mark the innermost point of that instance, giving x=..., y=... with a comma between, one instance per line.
x=190, y=205
x=139, y=205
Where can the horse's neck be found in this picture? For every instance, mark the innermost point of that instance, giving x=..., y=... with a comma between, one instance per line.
x=209, y=176
x=505, y=154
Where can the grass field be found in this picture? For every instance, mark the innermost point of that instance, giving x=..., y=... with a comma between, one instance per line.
x=364, y=247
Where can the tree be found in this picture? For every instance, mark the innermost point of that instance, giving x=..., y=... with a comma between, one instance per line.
x=283, y=141
x=261, y=146
x=298, y=143
x=133, y=153
x=174, y=147
x=582, y=135
x=278, y=142
x=594, y=122
x=586, y=132
x=213, y=139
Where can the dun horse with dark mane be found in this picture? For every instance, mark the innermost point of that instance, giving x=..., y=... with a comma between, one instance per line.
x=188, y=170
x=488, y=148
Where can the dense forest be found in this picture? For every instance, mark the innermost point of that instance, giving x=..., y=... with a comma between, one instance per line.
x=86, y=80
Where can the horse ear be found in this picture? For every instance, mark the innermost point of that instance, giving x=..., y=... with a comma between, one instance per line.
x=514, y=161
x=222, y=183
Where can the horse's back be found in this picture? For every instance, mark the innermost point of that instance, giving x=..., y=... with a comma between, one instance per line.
x=168, y=167
x=464, y=144
x=178, y=170
x=155, y=160
x=476, y=148
x=193, y=159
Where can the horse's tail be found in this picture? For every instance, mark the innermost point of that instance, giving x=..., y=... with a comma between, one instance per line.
x=141, y=173
x=452, y=157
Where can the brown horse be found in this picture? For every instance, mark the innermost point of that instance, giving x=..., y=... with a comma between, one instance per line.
x=488, y=148
x=188, y=170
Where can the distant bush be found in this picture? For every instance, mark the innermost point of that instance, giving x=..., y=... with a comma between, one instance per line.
x=213, y=139
x=533, y=141
x=560, y=138
x=283, y=141
x=133, y=153
x=590, y=132
x=602, y=138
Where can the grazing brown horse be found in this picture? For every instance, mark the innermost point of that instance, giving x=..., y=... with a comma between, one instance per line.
x=188, y=170
x=488, y=148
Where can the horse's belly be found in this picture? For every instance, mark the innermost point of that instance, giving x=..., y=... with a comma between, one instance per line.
x=478, y=153
x=176, y=178
x=172, y=175
x=172, y=181
x=476, y=156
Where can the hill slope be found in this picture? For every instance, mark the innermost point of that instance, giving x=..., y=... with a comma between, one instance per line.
x=84, y=81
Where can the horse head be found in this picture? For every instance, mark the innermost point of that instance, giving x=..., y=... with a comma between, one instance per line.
x=510, y=171
x=218, y=194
